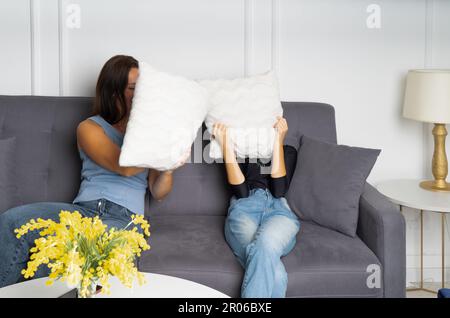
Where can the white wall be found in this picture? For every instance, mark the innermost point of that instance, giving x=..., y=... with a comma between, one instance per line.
x=15, y=50
x=322, y=51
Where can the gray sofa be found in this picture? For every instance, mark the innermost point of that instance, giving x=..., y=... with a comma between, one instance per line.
x=187, y=227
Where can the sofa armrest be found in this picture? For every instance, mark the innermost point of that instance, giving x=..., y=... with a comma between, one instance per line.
x=381, y=227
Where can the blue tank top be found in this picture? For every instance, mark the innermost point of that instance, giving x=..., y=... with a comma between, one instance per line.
x=98, y=182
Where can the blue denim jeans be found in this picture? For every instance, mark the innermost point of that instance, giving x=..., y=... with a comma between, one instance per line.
x=14, y=253
x=261, y=229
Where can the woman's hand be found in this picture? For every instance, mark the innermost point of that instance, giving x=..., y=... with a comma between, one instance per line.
x=220, y=134
x=281, y=127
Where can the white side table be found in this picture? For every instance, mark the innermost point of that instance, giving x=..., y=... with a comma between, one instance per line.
x=408, y=193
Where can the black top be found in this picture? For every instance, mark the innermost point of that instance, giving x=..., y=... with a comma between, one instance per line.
x=257, y=175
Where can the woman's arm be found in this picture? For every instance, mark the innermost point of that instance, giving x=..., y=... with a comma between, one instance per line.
x=279, y=186
x=235, y=176
x=160, y=182
x=234, y=173
x=91, y=138
x=278, y=164
x=283, y=161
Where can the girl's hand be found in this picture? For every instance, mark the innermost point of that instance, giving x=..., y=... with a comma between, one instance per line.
x=281, y=127
x=220, y=133
x=184, y=158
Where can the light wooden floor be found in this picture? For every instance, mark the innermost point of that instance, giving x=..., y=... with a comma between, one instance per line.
x=425, y=294
x=420, y=294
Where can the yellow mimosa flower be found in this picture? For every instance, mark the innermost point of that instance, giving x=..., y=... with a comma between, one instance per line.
x=81, y=251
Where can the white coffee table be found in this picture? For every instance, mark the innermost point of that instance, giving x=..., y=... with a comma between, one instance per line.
x=157, y=286
x=408, y=193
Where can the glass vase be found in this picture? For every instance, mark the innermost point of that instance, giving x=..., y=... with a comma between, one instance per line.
x=91, y=292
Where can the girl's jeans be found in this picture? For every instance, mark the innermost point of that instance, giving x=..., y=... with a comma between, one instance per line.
x=14, y=253
x=260, y=229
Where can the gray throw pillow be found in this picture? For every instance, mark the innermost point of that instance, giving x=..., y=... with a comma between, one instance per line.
x=328, y=182
x=8, y=190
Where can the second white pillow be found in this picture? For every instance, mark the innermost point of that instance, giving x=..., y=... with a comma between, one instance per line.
x=249, y=107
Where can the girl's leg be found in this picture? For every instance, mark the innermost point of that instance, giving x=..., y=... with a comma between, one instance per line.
x=14, y=253
x=281, y=277
x=239, y=232
x=281, y=207
x=274, y=238
x=241, y=224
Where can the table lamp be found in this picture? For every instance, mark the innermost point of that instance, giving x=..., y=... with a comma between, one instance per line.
x=427, y=99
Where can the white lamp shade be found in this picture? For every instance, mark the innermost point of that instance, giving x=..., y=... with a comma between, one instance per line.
x=427, y=96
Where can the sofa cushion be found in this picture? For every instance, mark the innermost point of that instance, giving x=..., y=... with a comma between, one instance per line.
x=326, y=263
x=201, y=188
x=323, y=263
x=249, y=107
x=48, y=164
x=194, y=248
x=328, y=182
x=8, y=189
x=166, y=114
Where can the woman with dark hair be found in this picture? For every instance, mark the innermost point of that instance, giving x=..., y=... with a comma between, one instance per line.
x=107, y=190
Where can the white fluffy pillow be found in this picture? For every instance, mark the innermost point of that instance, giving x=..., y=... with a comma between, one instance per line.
x=166, y=114
x=249, y=107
